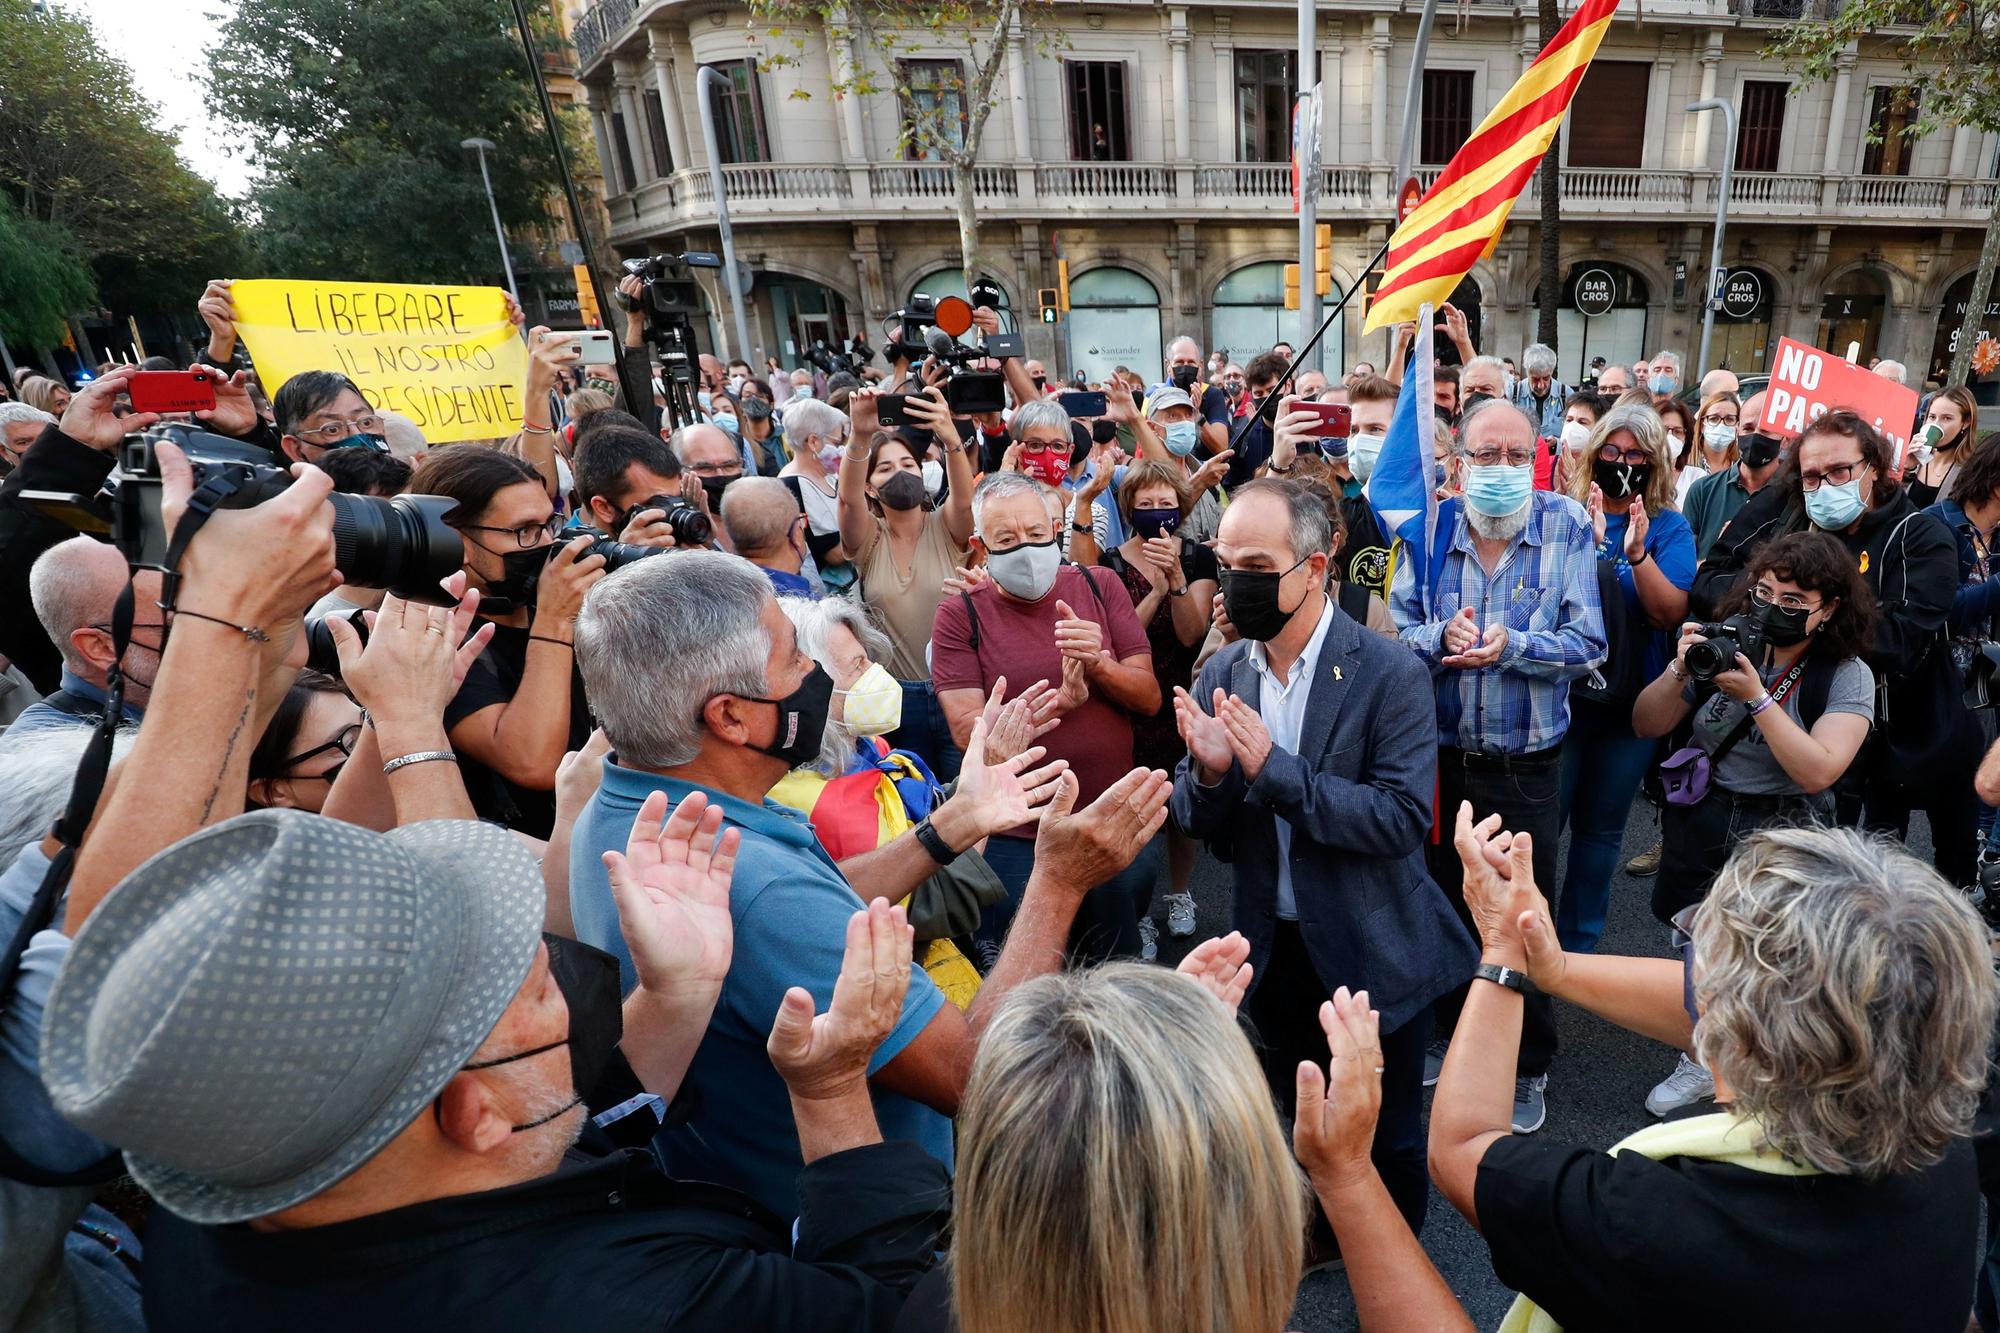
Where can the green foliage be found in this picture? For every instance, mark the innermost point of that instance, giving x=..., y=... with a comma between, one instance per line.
x=81, y=156
x=42, y=279
x=356, y=112
x=1949, y=50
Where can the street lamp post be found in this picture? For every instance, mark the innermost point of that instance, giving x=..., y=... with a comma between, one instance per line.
x=1721, y=220
x=482, y=147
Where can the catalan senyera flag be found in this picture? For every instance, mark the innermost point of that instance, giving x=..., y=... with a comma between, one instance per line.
x=1464, y=210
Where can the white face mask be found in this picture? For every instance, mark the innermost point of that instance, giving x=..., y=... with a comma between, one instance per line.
x=1575, y=436
x=1026, y=571
x=1718, y=435
x=1362, y=451
x=873, y=705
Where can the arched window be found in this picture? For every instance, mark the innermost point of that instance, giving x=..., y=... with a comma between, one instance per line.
x=1603, y=313
x=951, y=282
x=1114, y=320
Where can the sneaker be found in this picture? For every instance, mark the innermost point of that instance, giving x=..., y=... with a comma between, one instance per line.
x=1180, y=915
x=989, y=957
x=1434, y=1060
x=1688, y=1083
x=1531, y=1103
x=1149, y=940
x=1645, y=863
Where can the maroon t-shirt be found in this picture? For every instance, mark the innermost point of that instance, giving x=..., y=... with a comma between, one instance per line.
x=1018, y=640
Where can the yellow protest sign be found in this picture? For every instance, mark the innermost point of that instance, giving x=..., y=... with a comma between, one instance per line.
x=446, y=357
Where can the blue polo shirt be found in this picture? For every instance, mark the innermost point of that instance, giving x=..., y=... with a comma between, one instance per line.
x=789, y=904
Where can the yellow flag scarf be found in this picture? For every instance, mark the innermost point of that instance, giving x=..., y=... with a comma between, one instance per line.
x=1722, y=1137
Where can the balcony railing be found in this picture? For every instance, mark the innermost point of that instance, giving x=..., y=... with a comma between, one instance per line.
x=936, y=180
x=1894, y=192
x=1979, y=196
x=1600, y=185
x=1764, y=187
x=1104, y=180
x=599, y=24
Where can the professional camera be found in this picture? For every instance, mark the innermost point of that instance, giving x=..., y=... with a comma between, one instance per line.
x=616, y=554
x=831, y=360
x=655, y=270
x=401, y=543
x=1716, y=653
x=690, y=525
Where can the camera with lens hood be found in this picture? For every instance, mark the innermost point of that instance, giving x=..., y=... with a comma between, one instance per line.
x=1717, y=651
x=691, y=527
x=401, y=543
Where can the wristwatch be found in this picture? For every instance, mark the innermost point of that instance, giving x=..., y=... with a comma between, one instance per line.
x=1083, y=528
x=1504, y=976
x=933, y=842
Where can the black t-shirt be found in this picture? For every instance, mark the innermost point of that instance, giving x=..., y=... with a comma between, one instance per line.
x=1626, y=1242
x=1214, y=406
x=493, y=680
x=1364, y=559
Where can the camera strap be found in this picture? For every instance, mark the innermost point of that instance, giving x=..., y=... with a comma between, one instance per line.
x=1779, y=689
x=91, y=772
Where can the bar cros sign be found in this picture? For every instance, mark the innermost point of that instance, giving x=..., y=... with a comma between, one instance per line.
x=1596, y=292
x=1742, y=293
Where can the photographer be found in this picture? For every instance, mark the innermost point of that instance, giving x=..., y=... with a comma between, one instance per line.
x=1839, y=481
x=522, y=705
x=1773, y=735
x=630, y=486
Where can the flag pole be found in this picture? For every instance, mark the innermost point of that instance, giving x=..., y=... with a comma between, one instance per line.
x=1307, y=114
x=1298, y=357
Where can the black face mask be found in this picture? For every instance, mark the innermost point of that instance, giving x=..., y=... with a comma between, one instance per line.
x=588, y=980
x=905, y=490
x=1185, y=376
x=1783, y=628
x=1621, y=481
x=802, y=716
x=1103, y=430
x=1758, y=450
x=1268, y=412
x=514, y=590
x=715, y=486
x=1041, y=381
x=1251, y=597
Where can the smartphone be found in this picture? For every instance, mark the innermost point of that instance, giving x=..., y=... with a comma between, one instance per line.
x=172, y=390
x=599, y=348
x=1082, y=404
x=1335, y=419
x=892, y=409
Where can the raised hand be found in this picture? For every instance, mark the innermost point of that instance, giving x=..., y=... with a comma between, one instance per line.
x=1333, y=1126
x=1210, y=474
x=217, y=308
x=1461, y=632
x=1082, y=640
x=1595, y=504
x=825, y=1056
x=964, y=579
x=1218, y=615
x=233, y=414
x=1636, y=524
x=1014, y=725
x=1004, y=793
x=1080, y=849
x=1074, y=691
x=92, y=417
x=1221, y=966
x=407, y=669
x=1499, y=878
x=1207, y=737
x=671, y=885
x=1249, y=739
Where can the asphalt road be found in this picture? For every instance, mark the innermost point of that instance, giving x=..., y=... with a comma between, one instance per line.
x=1596, y=1093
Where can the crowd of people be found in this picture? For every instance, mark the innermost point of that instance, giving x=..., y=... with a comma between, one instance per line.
x=733, y=898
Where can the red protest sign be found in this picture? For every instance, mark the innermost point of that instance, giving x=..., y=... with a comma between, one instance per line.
x=1808, y=382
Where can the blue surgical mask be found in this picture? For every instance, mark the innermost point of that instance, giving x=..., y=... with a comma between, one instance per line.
x=1499, y=490
x=371, y=442
x=802, y=391
x=1182, y=436
x=1362, y=451
x=726, y=420
x=1660, y=384
x=704, y=399
x=1833, y=508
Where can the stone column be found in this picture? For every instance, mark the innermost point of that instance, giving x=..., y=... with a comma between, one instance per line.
x=1017, y=93
x=840, y=59
x=1704, y=121
x=1658, y=95
x=635, y=128
x=1331, y=48
x=1177, y=51
x=1226, y=145
x=659, y=47
x=1836, y=120
x=594, y=97
x=1379, y=43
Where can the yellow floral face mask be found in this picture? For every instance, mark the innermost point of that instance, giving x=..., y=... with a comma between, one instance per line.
x=873, y=705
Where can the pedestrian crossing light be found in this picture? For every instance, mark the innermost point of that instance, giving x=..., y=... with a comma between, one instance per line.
x=1291, y=286
x=1046, y=298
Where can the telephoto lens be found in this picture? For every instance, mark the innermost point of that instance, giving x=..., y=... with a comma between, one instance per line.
x=401, y=543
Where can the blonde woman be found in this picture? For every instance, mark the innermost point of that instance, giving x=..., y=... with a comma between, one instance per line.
x=1843, y=994
x=1716, y=426
x=1647, y=547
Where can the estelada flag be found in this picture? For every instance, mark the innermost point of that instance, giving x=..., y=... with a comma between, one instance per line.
x=1461, y=215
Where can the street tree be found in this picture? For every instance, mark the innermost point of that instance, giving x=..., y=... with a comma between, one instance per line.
x=45, y=280
x=92, y=175
x=355, y=114
x=1950, y=54
x=942, y=62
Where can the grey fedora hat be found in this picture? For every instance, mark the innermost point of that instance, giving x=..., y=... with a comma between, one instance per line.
x=256, y=1011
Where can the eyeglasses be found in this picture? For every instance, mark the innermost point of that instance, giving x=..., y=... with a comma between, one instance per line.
x=1788, y=601
x=1718, y=419
x=528, y=535
x=366, y=424
x=1511, y=457
x=348, y=737
x=1837, y=475
x=732, y=468
x=1062, y=444
x=1611, y=453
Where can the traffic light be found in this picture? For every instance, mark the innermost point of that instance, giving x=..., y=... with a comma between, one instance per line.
x=1323, y=258
x=1062, y=285
x=1291, y=286
x=1046, y=298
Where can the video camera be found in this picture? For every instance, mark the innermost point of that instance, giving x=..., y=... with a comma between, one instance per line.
x=653, y=270
x=831, y=360
x=1716, y=653
x=401, y=543
x=966, y=391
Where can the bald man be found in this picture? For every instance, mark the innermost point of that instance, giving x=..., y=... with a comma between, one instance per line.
x=1718, y=381
x=767, y=528
x=74, y=586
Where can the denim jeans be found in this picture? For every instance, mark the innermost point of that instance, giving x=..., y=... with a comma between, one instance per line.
x=925, y=733
x=1107, y=922
x=1602, y=766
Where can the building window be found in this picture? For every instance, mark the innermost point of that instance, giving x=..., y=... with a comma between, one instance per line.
x=1097, y=130
x=739, y=113
x=1607, y=125
x=1447, y=114
x=656, y=129
x=933, y=109
x=621, y=146
x=1266, y=87
x=1763, y=128
x=1891, y=112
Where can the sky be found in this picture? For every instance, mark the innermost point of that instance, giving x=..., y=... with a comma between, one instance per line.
x=166, y=45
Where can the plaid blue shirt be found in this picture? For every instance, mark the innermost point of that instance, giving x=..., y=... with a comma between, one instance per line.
x=1544, y=590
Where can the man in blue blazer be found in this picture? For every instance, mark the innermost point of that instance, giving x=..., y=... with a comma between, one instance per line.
x=1312, y=761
